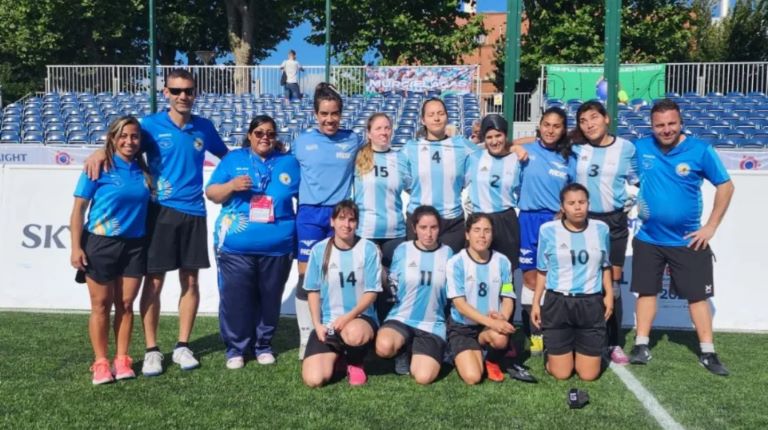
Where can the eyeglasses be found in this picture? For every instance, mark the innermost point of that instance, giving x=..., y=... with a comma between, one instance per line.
x=190, y=92
x=259, y=134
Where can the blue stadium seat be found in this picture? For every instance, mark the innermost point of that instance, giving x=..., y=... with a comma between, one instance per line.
x=10, y=137
x=56, y=137
x=725, y=144
x=33, y=137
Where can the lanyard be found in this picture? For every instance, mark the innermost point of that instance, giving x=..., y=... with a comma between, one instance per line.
x=260, y=178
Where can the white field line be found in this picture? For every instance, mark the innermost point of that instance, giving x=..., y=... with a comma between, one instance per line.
x=646, y=398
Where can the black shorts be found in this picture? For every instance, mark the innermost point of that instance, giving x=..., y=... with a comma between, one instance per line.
x=387, y=248
x=422, y=342
x=619, y=231
x=691, y=272
x=176, y=240
x=462, y=337
x=451, y=232
x=314, y=346
x=506, y=235
x=112, y=257
x=573, y=323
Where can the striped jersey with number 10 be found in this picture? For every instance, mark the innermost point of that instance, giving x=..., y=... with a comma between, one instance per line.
x=377, y=194
x=482, y=285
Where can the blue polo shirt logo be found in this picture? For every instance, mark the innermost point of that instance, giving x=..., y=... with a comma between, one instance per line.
x=198, y=144
x=683, y=169
x=285, y=179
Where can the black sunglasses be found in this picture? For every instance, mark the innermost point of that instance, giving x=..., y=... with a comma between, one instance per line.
x=177, y=91
x=259, y=134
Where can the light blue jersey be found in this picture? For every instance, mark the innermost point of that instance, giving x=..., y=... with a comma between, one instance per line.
x=437, y=169
x=327, y=165
x=545, y=173
x=574, y=261
x=482, y=285
x=377, y=194
x=350, y=273
x=119, y=200
x=176, y=157
x=605, y=171
x=420, y=279
x=493, y=182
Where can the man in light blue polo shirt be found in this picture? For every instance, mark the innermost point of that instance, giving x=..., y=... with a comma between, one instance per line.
x=671, y=169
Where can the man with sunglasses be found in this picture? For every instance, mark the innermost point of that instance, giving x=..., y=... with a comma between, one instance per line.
x=175, y=142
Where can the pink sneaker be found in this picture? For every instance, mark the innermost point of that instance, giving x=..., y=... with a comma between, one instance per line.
x=101, y=372
x=356, y=374
x=123, y=369
x=618, y=356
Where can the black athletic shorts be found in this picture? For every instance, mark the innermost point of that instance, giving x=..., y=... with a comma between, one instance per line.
x=422, y=342
x=463, y=337
x=314, y=346
x=506, y=235
x=112, y=257
x=451, y=232
x=573, y=323
x=691, y=272
x=619, y=231
x=176, y=240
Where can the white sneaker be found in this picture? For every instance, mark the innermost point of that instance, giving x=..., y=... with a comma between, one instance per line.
x=266, y=358
x=184, y=357
x=153, y=363
x=235, y=363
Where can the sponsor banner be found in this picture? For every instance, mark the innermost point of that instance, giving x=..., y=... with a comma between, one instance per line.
x=644, y=81
x=60, y=155
x=446, y=80
x=744, y=160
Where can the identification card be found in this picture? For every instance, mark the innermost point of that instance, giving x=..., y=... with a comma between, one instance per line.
x=262, y=209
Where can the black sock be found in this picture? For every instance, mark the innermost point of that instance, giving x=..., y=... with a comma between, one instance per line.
x=153, y=349
x=182, y=344
x=495, y=355
x=356, y=354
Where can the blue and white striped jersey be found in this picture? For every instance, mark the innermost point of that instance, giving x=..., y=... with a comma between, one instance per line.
x=437, y=171
x=350, y=273
x=605, y=171
x=481, y=284
x=493, y=182
x=574, y=261
x=377, y=194
x=420, y=279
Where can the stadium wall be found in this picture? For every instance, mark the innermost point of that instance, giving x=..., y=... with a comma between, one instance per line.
x=35, y=203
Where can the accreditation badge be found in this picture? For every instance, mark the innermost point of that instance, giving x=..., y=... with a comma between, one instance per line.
x=262, y=209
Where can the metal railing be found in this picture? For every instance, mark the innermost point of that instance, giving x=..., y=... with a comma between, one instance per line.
x=494, y=103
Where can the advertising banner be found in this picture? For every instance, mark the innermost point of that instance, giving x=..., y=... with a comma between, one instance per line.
x=644, y=81
x=446, y=80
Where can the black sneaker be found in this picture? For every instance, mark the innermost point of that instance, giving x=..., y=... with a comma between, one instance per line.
x=520, y=373
x=710, y=362
x=640, y=354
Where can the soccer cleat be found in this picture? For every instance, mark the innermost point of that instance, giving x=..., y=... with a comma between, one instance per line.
x=122, y=366
x=520, y=373
x=618, y=356
x=153, y=363
x=494, y=371
x=710, y=362
x=537, y=344
x=640, y=354
x=235, y=363
x=403, y=363
x=184, y=357
x=265, y=358
x=101, y=372
x=356, y=374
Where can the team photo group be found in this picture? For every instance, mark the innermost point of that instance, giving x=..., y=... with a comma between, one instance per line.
x=426, y=281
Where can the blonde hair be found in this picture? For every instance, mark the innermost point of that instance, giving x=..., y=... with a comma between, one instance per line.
x=114, y=130
x=364, y=159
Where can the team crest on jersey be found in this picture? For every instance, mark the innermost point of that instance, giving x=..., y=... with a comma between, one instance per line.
x=683, y=169
x=285, y=178
x=117, y=181
x=107, y=227
x=198, y=144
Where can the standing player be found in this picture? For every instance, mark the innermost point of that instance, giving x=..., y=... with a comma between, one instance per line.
x=343, y=279
x=175, y=142
x=414, y=330
x=573, y=266
x=381, y=175
x=327, y=156
x=672, y=168
x=548, y=169
x=482, y=302
x=111, y=250
x=605, y=165
x=436, y=163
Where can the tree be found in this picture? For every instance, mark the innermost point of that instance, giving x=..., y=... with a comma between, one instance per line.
x=396, y=31
x=186, y=26
x=746, y=31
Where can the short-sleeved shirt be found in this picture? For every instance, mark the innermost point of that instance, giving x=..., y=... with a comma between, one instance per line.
x=291, y=68
x=482, y=285
x=327, y=165
x=119, y=200
x=351, y=273
x=276, y=184
x=437, y=171
x=605, y=171
x=176, y=157
x=544, y=174
x=574, y=261
x=669, y=202
x=493, y=182
x=420, y=277
x=377, y=195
